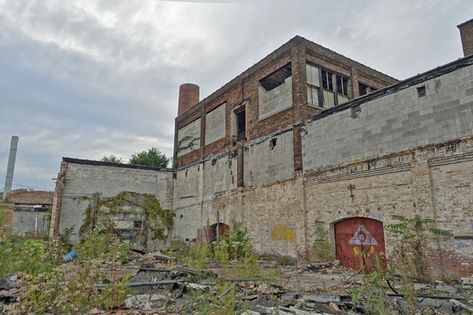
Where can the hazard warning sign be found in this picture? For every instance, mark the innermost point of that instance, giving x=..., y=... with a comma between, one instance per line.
x=362, y=237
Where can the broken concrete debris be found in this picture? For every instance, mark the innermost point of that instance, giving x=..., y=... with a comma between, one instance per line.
x=159, y=287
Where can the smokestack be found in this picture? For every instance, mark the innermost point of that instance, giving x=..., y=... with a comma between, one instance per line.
x=10, y=166
x=188, y=97
x=466, y=34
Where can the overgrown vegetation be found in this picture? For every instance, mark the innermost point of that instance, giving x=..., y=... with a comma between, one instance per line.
x=157, y=222
x=322, y=245
x=234, y=251
x=19, y=254
x=413, y=234
x=371, y=294
x=71, y=288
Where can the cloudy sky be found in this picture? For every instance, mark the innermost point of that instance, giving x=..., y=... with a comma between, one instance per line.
x=90, y=78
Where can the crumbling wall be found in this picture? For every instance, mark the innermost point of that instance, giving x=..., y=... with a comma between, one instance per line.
x=269, y=160
x=83, y=181
x=433, y=111
x=434, y=181
x=272, y=214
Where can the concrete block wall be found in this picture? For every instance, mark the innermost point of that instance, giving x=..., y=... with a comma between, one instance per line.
x=270, y=160
x=275, y=100
x=195, y=188
x=215, y=124
x=188, y=138
x=219, y=175
x=394, y=122
x=30, y=222
x=83, y=181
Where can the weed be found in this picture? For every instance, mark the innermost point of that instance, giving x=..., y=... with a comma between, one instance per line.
x=371, y=294
x=322, y=245
x=4, y=229
x=198, y=256
x=28, y=256
x=70, y=288
x=413, y=234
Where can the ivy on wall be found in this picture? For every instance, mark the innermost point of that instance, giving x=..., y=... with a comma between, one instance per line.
x=99, y=214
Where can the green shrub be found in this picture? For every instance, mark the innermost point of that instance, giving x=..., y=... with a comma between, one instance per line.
x=322, y=245
x=371, y=295
x=103, y=246
x=198, y=255
x=24, y=255
x=72, y=292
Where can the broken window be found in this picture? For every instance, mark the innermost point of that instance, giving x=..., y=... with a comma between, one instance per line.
x=275, y=92
x=332, y=91
x=342, y=89
x=276, y=78
x=365, y=89
x=240, y=119
x=313, y=85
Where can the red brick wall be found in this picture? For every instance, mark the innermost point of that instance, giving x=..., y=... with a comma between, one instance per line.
x=244, y=90
x=466, y=34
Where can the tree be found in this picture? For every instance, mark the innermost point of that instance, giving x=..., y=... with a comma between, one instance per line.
x=112, y=159
x=150, y=157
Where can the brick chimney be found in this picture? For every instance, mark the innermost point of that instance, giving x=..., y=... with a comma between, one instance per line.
x=188, y=97
x=466, y=34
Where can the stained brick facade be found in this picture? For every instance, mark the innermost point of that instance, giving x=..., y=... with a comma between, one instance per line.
x=245, y=91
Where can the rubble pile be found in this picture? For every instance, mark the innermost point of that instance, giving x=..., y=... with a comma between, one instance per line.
x=157, y=285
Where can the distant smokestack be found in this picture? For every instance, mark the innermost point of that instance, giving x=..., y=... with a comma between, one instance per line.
x=11, y=166
x=188, y=97
x=466, y=34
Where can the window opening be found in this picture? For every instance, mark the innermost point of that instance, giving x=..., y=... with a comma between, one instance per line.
x=276, y=78
x=331, y=92
x=240, y=124
x=365, y=89
x=421, y=91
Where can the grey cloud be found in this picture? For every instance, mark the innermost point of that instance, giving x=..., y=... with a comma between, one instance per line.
x=90, y=78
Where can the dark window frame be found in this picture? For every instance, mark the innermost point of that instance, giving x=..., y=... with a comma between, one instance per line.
x=327, y=83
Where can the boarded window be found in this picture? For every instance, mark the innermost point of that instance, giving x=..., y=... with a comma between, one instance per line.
x=275, y=92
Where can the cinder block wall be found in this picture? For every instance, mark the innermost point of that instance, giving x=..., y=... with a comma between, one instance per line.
x=82, y=181
x=394, y=122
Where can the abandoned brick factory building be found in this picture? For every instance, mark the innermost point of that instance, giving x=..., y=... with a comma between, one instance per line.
x=308, y=134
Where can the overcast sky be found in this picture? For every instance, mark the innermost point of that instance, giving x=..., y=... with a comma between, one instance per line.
x=86, y=79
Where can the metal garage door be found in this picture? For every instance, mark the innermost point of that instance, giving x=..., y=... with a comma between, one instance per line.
x=359, y=241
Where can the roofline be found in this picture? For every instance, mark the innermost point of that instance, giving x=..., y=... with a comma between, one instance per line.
x=296, y=38
x=419, y=78
x=466, y=22
x=121, y=165
x=343, y=56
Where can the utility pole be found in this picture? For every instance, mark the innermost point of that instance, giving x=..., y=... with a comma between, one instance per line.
x=10, y=166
